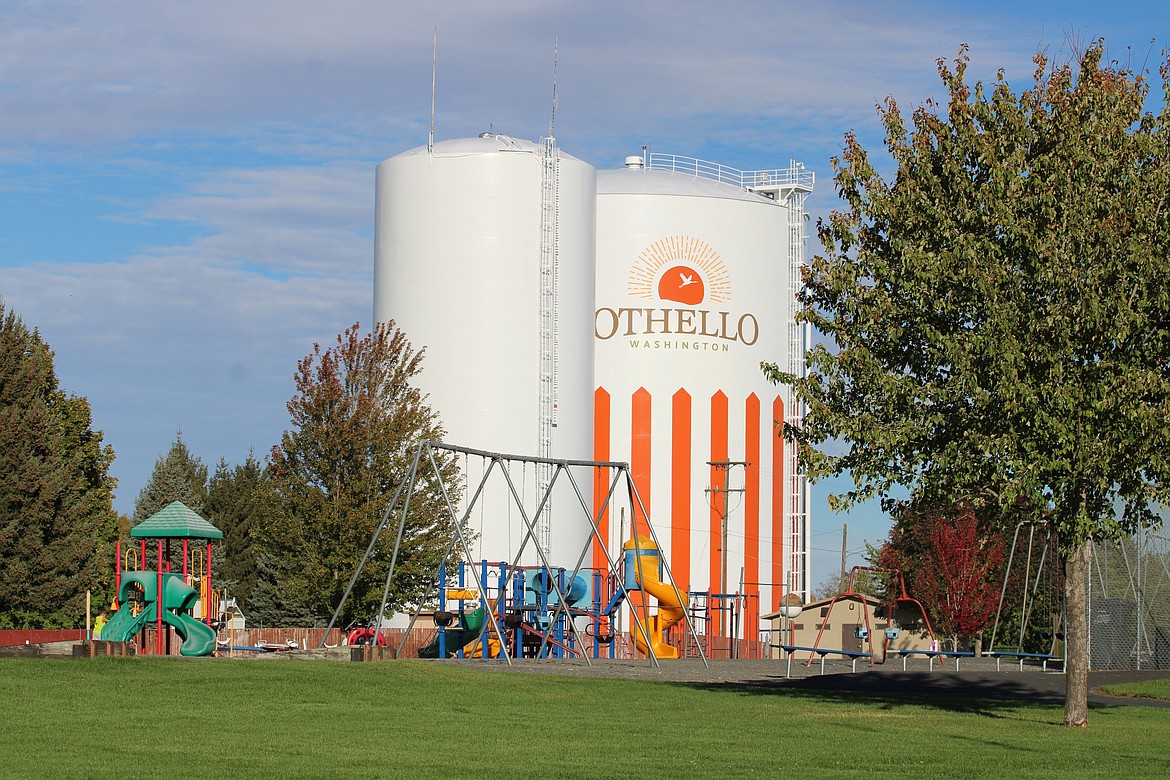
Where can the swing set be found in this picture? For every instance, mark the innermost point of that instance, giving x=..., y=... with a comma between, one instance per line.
x=506, y=609
x=1034, y=599
x=865, y=632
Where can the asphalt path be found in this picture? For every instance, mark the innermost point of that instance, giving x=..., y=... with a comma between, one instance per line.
x=1033, y=686
x=984, y=682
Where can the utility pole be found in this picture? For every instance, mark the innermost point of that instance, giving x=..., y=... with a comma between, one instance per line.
x=724, y=467
x=844, y=549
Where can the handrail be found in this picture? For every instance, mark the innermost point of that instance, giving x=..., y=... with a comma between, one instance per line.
x=793, y=176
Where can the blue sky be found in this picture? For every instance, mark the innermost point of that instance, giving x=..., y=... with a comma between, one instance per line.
x=186, y=189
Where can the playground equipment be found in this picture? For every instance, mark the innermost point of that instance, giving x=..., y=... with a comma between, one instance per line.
x=525, y=600
x=364, y=634
x=643, y=571
x=1039, y=609
x=139, y=596
x=140, y=591
x=531, y=607
x=890, y=631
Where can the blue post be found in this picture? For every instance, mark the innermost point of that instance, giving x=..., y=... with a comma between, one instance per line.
x=442, y=608
x=560, y=625
x=462, y=584
x=501, y=603
x=596, y=613
x=518, y=602
x=485, y=632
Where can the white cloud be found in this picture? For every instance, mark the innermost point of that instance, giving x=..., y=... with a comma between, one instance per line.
x=89, y=72
x=162, y=343
x=205, y=336
x=316, y=220
x=257, y=126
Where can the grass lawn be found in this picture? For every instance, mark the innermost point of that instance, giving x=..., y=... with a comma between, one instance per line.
x=1152, y=689
x=154, y=717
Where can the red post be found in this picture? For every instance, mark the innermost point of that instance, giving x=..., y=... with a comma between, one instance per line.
x=185, y=559
x=168, y=558
x=142, y=557
x=207, y=606
x=158, y=605
x=117, y=567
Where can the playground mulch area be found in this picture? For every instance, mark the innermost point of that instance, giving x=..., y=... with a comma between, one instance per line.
x=978, y=679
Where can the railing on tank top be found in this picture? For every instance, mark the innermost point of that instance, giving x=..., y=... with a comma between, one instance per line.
x=792, y=176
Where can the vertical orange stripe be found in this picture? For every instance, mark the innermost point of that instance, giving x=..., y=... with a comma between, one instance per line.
x=680, y=490
x=640, y=452
x=751, y=514
x=601, y=477
x=779, y=587
x=718, y=482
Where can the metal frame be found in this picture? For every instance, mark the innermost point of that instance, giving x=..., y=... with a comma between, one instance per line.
x=620, y=472
x=902, y=597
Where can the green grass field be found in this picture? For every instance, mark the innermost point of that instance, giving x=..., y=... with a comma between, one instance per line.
x=1154, y=689
x=137, y=717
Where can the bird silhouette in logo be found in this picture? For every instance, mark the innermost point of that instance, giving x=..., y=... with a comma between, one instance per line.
x=682, y=284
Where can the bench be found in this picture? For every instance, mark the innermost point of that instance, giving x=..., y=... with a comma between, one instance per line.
x=822, y=652
x=932, y=654
x=1044, y=658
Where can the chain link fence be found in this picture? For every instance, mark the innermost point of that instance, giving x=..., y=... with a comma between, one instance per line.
x=1129, y=603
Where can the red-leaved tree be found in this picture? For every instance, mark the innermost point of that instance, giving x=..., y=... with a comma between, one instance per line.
x=952, y=565
x=962, y=578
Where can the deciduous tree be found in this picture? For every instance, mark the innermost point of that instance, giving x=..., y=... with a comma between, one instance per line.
x=999, y=310
x=356, y=420
x=952, y=565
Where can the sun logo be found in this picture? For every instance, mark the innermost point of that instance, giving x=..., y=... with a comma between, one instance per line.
x=682, y=269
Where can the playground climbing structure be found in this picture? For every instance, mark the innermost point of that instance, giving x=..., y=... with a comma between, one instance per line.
x=530, y=605
x=161, y=600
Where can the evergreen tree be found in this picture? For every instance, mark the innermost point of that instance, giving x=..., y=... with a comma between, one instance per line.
x=239, y=503
x=57, y=522
x=177, y=476
x=356, y=421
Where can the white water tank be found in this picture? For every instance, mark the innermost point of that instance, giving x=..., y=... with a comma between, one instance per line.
x=459, y=258
x=692, y=280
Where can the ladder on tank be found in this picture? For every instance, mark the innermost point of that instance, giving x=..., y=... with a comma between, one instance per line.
x=799, y=184
x=549, y=257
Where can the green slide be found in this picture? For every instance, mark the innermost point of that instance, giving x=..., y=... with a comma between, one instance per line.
x=178, y=598
x=456, y=638
x=123, y=626
x=198, y=637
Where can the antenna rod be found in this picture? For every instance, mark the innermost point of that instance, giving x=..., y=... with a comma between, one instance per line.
x=434, y=68
x=553, y=119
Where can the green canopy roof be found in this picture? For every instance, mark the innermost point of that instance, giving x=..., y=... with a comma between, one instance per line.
x=175, y=521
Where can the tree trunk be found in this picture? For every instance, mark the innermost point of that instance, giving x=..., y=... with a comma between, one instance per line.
x=1076, y=639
